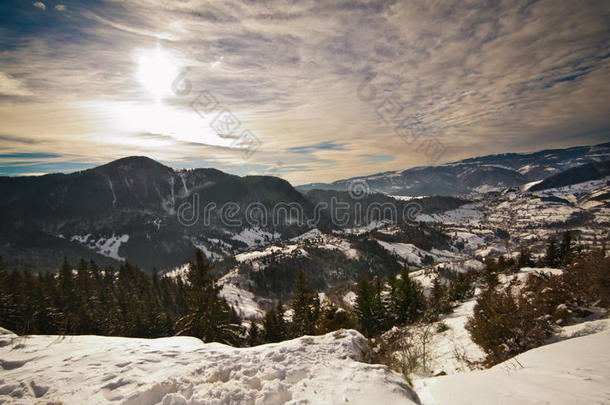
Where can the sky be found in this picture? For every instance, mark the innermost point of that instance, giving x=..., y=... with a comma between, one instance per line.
x=306, y=90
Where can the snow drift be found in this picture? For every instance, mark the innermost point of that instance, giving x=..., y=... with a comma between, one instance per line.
x=324, y=369
x=573, y=371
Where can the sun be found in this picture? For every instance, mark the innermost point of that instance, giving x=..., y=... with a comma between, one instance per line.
x=156, y=71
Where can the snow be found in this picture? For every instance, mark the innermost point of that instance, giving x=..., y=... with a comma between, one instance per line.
x=204, y=249
x=470, y=238
x=486, y=251
x=324, y=369
x=453, y=350
x=349, y=299
x=313, y=233
x=341, y=245
x=259, y=254
x=367, y=228
x=462, y=266
x=255, y=236
x=579, y=188
x=425, y=278
x=574, y=371
x=108, y=247
x=242, y=301
x=486, y=188
x=222, y=245
x=180, y=271
x=234, y=291
x=469, y=213
x=529, y=185
x=413, y=255
x=524, y=273
x=410, y=253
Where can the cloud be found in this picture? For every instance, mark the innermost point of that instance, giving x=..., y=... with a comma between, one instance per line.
x=9, y=86
x=320, y=146
x=9, y=139
x=60, y=7
x=480, y=77
x=40, y=5
x=28, y=155
x=377, y=158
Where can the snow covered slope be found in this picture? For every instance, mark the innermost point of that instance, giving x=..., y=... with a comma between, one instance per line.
x=574, y=371
x=182, y=370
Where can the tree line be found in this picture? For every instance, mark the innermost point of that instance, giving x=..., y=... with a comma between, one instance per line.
x=117, y=302
x=130, y=302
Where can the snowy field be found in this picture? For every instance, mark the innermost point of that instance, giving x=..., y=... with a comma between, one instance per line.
x=574, y=371
x=181, y=370
x=328, y=369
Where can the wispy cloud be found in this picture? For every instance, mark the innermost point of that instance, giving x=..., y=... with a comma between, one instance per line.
x=483, y=77
x=319, y=146
x=10, y=86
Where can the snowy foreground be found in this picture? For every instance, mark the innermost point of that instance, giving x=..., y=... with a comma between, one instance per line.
x=181, y=370
x=574, y=371
x=325, y=369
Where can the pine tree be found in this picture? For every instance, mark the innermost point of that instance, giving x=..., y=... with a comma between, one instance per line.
x=566, y=250
x=305, y=306
x=406, y=299
x=5, y=295
x=525, y=257
x=333, y=318
x=438, y=302
x=209, y=317
x=369, y=308
x=552, y=258
x=490, y=273
x=253, y=335
x=275, y=325
x=461, y=287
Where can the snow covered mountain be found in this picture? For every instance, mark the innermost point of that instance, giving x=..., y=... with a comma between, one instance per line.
x=474, y=175
x=139, y=210
x=130, y=208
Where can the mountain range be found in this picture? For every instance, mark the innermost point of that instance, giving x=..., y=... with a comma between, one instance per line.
x=129, y=208
x=140, y=210
x=474, y=175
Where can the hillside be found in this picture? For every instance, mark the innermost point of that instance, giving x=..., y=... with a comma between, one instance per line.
x=575, y=175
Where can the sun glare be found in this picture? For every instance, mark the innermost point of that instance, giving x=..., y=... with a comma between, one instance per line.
x=156, y=71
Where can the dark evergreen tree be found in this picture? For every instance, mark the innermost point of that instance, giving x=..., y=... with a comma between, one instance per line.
x=370, y=310
x=275, y=325
x=552, y=257
x=490, y=273
x=525, y=257
x=333, y=318
x=461, y=287
x=439, y=300
x=254, y=337
x=305, y=306
x=406, y=299
x=566, y=249
x=209, y=317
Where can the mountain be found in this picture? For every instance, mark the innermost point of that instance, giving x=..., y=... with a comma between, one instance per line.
x=473, y=175
x=575, y=175
x=138, y=209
